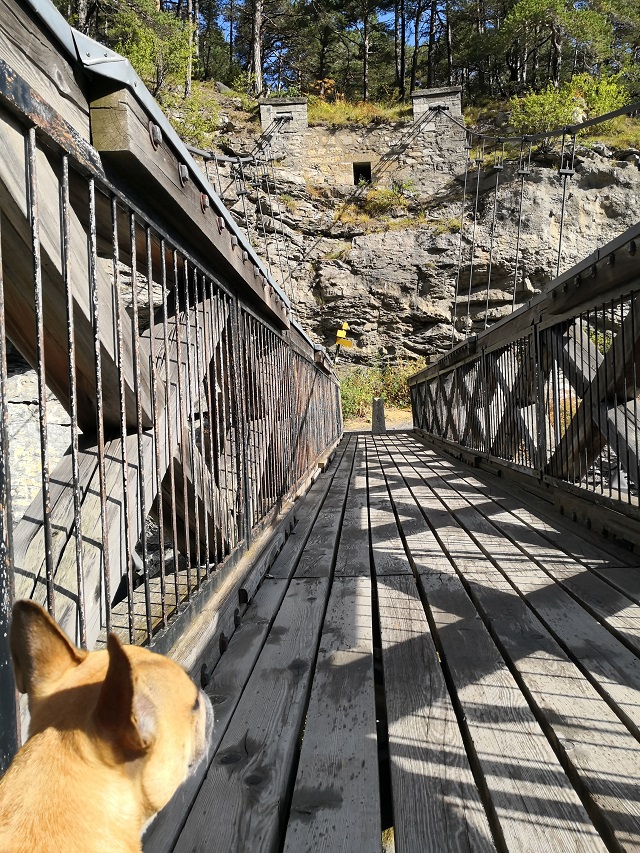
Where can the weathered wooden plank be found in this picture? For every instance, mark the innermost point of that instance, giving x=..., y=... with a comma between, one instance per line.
x=576, y=539
x=242, y=802
x=120, y=131
x=173, y=415
x=609, y=605
x=436, y=805
x=29, y=49
x=307, y=513
x=320, y=550
x=353, y=550
x=532, y=799
x=387, y=552
x=569, y=703
x=611, y=666
x=225, y=688
x=336, y=801
x=18, y=280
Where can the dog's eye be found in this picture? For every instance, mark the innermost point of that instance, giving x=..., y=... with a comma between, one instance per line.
x=196, y=704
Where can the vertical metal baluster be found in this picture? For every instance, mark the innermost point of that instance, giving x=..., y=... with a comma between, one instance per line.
x=636, y=447
x=597, y=459
x=200, y=378
x=238, y=405
x=224, y=445
x=191, y=419
x=170, y=415
x=9, y=716
x=281, y=376
x=183, y=426
x=156, y=420
x=34, y=220
x=207, y=323
x=140, y=425
x=95, y=317
x=73, y=408
x=584, y=412
x=237, y=417
x=249, y=365
x=573, y=393
x=292, y=415
x=615, y=403
x=126, y=508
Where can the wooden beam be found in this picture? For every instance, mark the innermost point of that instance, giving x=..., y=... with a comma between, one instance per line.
x=120, y=132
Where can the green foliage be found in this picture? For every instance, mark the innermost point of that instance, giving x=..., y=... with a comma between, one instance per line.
x=600, y=95
x=380, y=201
x=359, y=385
x=585, y=96
x=195, y=118
x=344, y=112
x=540, y=111
x=156, y=43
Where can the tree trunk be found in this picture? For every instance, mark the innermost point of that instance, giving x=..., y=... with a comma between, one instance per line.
x=189, y=22
x=365, y=57
x=556, y=54
x=431, y=66
x=403, y=51
x=396, y=40
x=416, y=43
x=449, y=49
x=256, y=46
x=82, y=16
x=196, y=18
x=230, y=38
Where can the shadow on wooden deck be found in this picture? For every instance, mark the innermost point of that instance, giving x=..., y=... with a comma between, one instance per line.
x=430, y=654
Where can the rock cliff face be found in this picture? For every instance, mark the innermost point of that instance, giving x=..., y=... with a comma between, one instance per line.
x=394, y=277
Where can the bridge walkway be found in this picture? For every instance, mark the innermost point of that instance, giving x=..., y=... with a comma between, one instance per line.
x=435, y=661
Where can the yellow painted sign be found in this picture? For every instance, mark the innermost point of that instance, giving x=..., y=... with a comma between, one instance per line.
x=341, y=333
x=343, y=342
x=345, y=326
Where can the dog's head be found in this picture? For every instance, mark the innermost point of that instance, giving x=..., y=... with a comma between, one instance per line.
x=128, y=708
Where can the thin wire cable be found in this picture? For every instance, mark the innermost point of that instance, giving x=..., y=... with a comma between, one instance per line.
x=479, y=162
x=498, y=166
x=523, y=171
x=567, y=171
x=265, y=178
x=629, y=109
x=464, y=199
x=284, y=236
x=215, y=159
x=257, y=184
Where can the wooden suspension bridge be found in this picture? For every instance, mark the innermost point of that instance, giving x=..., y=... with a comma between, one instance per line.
x=418, y=641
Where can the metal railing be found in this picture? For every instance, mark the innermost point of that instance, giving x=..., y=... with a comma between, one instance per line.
x=552, y=390
x=192, y=415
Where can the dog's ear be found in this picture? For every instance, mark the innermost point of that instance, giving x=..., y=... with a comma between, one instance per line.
x=124, y=714
x=41, y=652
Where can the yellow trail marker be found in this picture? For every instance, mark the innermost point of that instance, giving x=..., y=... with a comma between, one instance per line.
x=343, y=342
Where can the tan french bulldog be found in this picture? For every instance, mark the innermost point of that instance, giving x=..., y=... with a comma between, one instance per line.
x=113, y=734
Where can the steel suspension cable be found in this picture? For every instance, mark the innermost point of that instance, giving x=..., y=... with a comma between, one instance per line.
x=498, y=167
x=257, y=184
x=524, y=169
x=284, y=237
x=265, y=178
x=215, y=159
x=479, y=161
x=467, y=148
x=241, y=190
x=567, y=160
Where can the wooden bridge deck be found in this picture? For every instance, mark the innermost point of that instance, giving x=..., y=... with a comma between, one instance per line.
x=434, y=655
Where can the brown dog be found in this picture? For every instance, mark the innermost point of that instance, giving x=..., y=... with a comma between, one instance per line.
x=112, y=735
